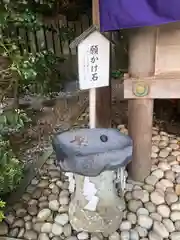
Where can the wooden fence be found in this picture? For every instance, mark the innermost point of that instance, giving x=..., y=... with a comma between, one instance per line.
x=51, y=37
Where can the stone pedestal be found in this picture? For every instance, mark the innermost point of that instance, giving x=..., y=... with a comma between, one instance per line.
x=95, y=206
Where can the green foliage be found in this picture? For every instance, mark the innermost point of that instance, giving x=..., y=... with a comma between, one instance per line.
x=2, y=205
x=11, y=169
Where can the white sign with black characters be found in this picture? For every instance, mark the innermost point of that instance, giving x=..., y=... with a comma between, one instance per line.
x=93, y=61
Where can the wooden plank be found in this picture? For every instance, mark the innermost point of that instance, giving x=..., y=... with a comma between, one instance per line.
x=140, y=111
x=103, y=95
x=166, y=88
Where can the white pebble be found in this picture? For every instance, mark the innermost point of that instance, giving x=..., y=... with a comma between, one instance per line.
x=83, y=235
x=142, y=211
x=154, y=236
x=169, y=225
x=134, y=234
x=54, y=205
x=175, y=216
x=160, y=229
x=114, y=236
x=145, y=221
x=131, y=217
x=44, y=214
x=125, y=235
x=157, y=198
x=62, y=219
x=142, y=231
x=156, y=216
x=57, y=229
x=175, y=236
x=158, y=173
x=163, y=210
x=125, y=226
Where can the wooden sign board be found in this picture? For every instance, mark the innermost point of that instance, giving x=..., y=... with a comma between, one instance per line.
x=93, y=61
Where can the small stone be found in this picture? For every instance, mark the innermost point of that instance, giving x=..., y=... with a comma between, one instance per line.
x=134, y=205
x=163, y=210
x=174, y=146
x=18, y=223
x=151, y=180
x=175, y=207
x=142, y=231
x=14, y=232
x=154, y=236
x=44, y=214
x=59, y=183
x=155, y=149
x=169, y=225
x=164, y=166
x=27, y=218
x=62, y=219
x=64, y=200
x=21, y=233
x=21, y=212
x=145, y=221
x=169, y=175
x=157, y=198
x=10, y=218
x=83, y=236
x=28, y=225
x=52, y=197
x=160, y=229
x=175, y=216
x=156, y=216
x=150, y=207
x=67, y=230
x=148, y=188
x=43, y=184
x=43, y=236
x=72, y=238
x=171, y=197
x=132, y=217
x=125, y=226
x=32, y=210
x=54, y=205
x=177, y=189
x=128, y=196
x=164, y=153
x=142, y=211
x=37, y=193
x=134, y=234
x=164, y=184
x=30, y=235
x=175, y=236
x=37, y=226
x=142, y=195
x=125, y=235
x=57, y=229
x=175, y=153
x=43, y=205
x=177, y=225
x=46, y=228
x=158, y=173
x=46, y=192
x=63, y=209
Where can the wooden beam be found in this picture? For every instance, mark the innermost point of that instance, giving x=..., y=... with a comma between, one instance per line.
x=162, y=86
x=103, y=95
x=141, y=64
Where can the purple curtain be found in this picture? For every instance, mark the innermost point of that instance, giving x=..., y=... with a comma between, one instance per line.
x=118, y=14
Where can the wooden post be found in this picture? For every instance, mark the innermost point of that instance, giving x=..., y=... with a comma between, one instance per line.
x=103, y=95
x=141, y=64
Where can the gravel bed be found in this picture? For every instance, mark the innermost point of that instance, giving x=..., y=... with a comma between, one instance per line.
x=153, y=207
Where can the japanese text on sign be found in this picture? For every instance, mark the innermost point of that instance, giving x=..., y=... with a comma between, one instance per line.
x=94, y=62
